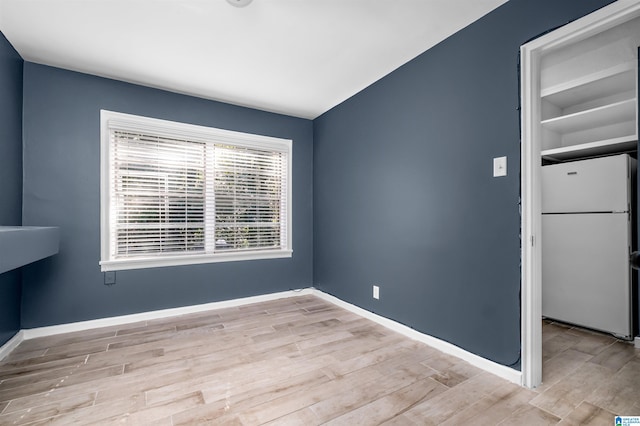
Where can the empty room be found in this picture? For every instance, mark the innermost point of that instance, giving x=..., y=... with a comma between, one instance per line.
x=299, y=212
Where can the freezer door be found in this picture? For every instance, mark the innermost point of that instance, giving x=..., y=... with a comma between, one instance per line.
x=585, y=270
x=596, y=185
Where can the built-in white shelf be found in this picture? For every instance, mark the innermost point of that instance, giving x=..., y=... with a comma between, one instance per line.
x=592, y=149
x=617, y=112
x=589, y=95
x=21, y=245
x=596, y=85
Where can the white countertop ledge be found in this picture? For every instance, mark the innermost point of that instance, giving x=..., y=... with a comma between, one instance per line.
x=21, y=245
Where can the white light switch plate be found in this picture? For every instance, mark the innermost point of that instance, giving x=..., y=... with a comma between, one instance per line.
x=499, y=166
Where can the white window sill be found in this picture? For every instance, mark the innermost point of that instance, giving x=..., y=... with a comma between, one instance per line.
x=190, y=259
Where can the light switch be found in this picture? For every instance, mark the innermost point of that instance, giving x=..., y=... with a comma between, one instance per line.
x=499, y=166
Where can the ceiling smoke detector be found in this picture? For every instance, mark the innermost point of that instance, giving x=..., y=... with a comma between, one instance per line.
x=239, y=3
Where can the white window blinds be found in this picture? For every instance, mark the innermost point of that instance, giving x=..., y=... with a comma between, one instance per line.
x=250, y=198
x=158, y=194
x=178, y=194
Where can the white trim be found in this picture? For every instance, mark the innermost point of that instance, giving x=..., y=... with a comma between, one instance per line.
x=446, y=347
x=531, y=294
x=210, y=136
x=531, y=314
x=191, y=259
x=483, y=363
x=11, y=344
x=636, y=343
x=602, y=19
x=192, y=131
x=163, y=313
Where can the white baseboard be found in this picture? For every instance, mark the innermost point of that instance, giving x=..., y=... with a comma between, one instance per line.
x=637, y=342
x=500, y=370
x=485, y=364
x=32, y=333
x=11, y=344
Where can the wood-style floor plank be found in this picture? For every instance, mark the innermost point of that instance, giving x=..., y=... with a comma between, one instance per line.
x=587, y=415
x=392, y=404
x=50, y=410
x=301, y=361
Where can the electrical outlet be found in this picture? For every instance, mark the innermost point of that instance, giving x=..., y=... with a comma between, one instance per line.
x=110, y=278
x=376, y=292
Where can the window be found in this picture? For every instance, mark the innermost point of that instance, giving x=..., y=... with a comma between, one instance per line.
x=177, y=194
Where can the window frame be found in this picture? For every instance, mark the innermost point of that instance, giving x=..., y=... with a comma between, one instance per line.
x=209, y=135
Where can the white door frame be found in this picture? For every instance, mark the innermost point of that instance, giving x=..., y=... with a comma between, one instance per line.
x=531, y=279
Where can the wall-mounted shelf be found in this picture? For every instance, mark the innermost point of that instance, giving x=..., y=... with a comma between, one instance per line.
x=21, y=245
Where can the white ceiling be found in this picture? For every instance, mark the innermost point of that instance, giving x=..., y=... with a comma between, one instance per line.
x=297, y=57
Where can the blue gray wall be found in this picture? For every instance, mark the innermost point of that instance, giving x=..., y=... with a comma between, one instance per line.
x=400, y=175
x=62, y=188
x=10, y=177
x=403, y=190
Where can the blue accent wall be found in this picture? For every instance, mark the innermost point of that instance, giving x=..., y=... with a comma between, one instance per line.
x=62, y=188
x=10, y=177
x=404, y=196
x=393, y=187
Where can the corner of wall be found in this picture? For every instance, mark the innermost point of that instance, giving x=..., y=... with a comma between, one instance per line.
x=13, y=343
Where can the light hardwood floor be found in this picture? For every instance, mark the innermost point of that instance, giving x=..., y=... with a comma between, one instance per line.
x=301, y=361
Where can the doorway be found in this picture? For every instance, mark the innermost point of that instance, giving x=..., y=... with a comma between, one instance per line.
x=531, y=148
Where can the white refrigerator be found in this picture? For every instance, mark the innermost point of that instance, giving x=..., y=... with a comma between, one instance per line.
x=586, y=243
